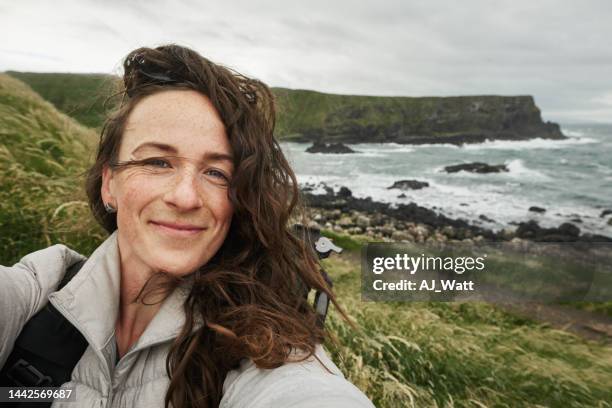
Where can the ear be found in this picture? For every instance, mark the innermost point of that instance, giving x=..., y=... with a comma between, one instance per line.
x=108, y=186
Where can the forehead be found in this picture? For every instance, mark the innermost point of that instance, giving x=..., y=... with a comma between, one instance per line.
x=184, y=119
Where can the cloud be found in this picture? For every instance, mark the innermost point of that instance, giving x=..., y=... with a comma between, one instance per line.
x=556, y=50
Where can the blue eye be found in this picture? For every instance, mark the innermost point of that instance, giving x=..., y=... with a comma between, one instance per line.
x=157, y=163
x=217, y=174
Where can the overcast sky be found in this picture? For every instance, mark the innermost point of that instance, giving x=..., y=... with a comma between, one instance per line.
x=558, y=51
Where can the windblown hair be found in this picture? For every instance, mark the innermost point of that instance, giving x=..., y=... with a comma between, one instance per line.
x=249, y=296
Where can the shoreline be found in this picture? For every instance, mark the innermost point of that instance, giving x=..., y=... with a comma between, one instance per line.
x=340, y=212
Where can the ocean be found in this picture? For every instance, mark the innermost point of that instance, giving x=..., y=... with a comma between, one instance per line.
x=571, y=179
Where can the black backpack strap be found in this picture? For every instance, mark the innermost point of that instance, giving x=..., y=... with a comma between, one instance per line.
x=47, y=348
x=322, y=247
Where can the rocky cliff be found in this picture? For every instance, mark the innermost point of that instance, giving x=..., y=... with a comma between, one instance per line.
x=308, y=116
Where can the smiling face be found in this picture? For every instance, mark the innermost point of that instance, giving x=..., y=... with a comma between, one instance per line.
x=173, y=209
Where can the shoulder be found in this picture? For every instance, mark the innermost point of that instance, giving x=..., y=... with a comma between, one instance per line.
x=40, y=272
x=24, y=289
x=306, y=384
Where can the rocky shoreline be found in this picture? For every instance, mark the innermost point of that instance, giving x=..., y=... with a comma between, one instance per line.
x=342, y=213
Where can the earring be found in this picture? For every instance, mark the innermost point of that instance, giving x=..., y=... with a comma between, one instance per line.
x=109, y=208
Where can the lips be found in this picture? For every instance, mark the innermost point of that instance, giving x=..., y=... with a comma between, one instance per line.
x=177, y=229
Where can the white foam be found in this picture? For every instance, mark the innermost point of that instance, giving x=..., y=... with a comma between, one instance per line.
x=573, y=132
x=430, y=145
x=517, y=169
x=537, y=143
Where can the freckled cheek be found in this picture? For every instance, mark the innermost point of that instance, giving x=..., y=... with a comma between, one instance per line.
x=136, y=193
x=221, y=207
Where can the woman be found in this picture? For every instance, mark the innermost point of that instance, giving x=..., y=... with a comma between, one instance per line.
x=195, y=298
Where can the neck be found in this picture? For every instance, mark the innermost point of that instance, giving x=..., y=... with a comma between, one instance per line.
x=139, y=301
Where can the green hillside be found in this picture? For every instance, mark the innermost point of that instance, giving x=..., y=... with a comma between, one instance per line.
x=308, y=116
x=42, y=154
x=80, y=96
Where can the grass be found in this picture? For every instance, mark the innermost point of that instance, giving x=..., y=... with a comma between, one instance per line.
x=42, y=155
x=460, y=354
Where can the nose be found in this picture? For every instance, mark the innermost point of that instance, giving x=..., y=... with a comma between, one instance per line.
x=184, y=192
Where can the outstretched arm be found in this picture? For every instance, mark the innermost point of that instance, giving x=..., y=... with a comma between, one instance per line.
x=24, y=288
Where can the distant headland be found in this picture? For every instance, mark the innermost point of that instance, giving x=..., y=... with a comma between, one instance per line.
x=310, y=116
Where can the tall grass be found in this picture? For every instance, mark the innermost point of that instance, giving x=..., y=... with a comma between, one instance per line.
x=461, y=354
x=43, y=154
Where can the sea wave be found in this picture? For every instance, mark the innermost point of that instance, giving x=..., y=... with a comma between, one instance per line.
x=537, y=143
x=517, y=169
x=573, y=132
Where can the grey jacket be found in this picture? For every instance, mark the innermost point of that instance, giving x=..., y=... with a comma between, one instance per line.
x=90, y=301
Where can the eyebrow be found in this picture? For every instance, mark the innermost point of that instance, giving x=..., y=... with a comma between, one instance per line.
x=212, y=156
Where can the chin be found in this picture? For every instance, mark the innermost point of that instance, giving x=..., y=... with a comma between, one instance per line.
x=182, y=268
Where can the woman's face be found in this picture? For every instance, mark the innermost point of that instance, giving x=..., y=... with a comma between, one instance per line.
x=173, y=210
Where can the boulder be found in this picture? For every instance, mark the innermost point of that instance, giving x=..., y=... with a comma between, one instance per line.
x=605, y=212
x=336, y=148
x=345, y=221
x=476, y=167
x=362, y=221
x=402, y=236
x=409, y=185
x=537, y=209
x=485, y=218
x=566, y=232
x=345, y=192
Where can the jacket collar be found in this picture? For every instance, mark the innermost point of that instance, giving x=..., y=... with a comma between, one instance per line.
x=90, y=301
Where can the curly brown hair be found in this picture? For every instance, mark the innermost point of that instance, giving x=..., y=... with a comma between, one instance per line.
x=250, y=294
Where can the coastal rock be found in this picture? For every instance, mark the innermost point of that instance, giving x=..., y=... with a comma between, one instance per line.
x=351, y=215
x=605, y=212
x=337, y=148
x=610, y=221
x=537, y=209
x=566, y=232
x=345, y=192
x=476, y=167
x=402, y=196
x=409, y=185
x=485, y=218
x=420, y=233
x=402, y=236
x=362, y=221
x=345, y=221
x=315, y=225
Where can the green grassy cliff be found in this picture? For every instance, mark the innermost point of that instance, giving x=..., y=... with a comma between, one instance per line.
x=308, y=116
x=80, y=96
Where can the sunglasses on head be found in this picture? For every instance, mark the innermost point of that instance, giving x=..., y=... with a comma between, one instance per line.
x=151, y=74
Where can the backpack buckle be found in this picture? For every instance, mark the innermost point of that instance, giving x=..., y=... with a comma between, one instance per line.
x=25, y=374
